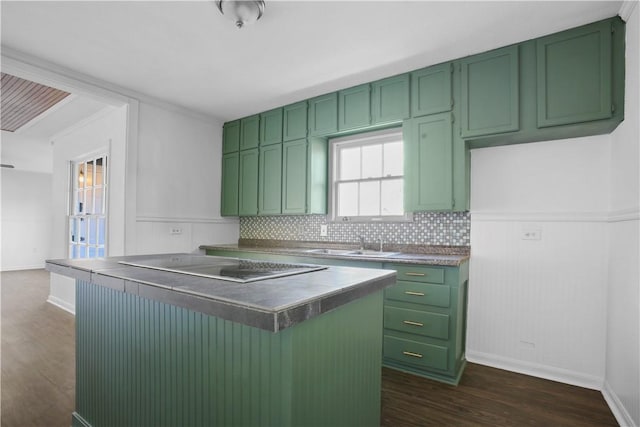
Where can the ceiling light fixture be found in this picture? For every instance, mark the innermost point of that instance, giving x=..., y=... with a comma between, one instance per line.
x=241, y=11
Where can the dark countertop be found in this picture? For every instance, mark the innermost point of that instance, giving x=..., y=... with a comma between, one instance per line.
x=272, y=304
x=425, y=255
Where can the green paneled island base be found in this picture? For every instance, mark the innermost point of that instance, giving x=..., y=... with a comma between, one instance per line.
x=149, y=352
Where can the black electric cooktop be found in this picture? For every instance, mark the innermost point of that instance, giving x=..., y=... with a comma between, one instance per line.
x=232, y=269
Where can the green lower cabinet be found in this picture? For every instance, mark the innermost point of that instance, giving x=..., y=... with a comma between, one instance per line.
x=428, y=151
x=230, y=184
x=248, y=183
x=425, y=321
x=144, y=363
x=425, y=313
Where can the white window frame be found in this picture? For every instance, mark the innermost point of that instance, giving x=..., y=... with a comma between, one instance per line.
x=362, y=139
x=100, y=250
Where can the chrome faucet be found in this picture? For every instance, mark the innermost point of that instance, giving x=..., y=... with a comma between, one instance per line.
x=361, y=242
x=381, y=242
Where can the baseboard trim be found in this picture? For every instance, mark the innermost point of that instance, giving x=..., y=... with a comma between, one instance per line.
x=617, y=408
x=536, y=370
x=60, y=303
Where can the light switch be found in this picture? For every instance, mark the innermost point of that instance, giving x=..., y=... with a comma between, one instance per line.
x=324, y=230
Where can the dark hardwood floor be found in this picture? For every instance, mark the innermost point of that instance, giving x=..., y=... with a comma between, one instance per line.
x=38, y=375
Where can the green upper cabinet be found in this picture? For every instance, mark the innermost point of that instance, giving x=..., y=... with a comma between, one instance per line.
x=431, y=90
x=271, y=127
x=354, y=107
x=390, y=100
x=270, y=182
x=574, y=75
x=428, y=174
x=323, y=115
x=490, y=97
x=250, y=132
x=295, y=121
x=294, y=177
x=230, y=175
x=248, y=183
x=304, y=176
x=231, y=137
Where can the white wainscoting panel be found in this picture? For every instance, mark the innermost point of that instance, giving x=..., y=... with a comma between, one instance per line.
x=539, y=306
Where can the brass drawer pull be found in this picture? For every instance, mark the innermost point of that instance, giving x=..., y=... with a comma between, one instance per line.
x=415, y=274
x=417, y=294
x=409, y=322
x=408, y=353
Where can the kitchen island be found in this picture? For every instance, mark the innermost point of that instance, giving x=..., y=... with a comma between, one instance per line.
x=167, y=348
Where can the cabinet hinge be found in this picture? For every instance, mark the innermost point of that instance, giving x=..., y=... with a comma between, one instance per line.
x=613, y=28
x=453, y=118
x=451, y=68
x=613, y=108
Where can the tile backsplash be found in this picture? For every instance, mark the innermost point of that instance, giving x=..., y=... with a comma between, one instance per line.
x=427, y=228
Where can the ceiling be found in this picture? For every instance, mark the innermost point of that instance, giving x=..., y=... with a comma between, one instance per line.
x=188, y=54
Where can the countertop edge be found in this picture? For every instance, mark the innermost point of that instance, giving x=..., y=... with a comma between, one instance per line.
x=454, y=260
x=271, y=320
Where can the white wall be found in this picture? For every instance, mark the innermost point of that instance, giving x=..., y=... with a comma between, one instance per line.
x=103, y=133
x=26, y=153
x=565, y=307
x=178, y=183
x=26, y=219
x=539, y=306
x=622, y=377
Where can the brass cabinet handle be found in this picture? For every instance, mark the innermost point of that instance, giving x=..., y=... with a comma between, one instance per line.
x=415, y=274
x=417, y=294
x=409, y=322
x=408, y=353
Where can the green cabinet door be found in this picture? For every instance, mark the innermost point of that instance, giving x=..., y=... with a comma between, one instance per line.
x=490, y=98
x=271, y=127
x=574, y=75
x=354, y=107
x=248, y=197
x=390, y=100
x=270, y=185
x=230, y=176
x=431, y=90
x=294, y=121
x=323, y=115
x=249, y=132
x=428, y=163
x=231, y=137
x=294, y=177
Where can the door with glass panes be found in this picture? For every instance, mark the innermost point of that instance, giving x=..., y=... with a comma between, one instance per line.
x=88, y=210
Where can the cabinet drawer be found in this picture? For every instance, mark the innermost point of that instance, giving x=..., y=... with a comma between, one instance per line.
x=415, y=353
x=417, y=322
x=420, y=293
x=417, y=273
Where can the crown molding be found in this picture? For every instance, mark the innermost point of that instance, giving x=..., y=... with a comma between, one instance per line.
x=44, y=72
x=626, y=9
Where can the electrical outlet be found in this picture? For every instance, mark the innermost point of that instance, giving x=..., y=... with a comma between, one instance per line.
x=324, y=230
x=175, y=230
x=531, y=233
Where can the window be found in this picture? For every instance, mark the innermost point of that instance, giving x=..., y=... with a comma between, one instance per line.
x=87, y=219
x=367, y=177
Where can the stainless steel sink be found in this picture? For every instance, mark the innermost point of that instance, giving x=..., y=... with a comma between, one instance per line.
x=370, y=253
x=329, y=251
